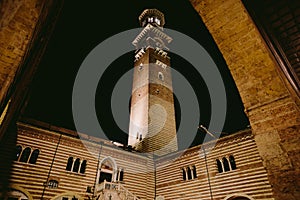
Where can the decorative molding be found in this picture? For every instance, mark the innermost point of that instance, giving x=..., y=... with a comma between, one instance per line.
x=147, y=31
x=152, y=12
x=21, y=189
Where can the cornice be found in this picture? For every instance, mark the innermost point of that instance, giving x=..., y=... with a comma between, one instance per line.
x=151, y=29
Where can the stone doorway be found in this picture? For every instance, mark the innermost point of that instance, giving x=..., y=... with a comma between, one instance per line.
x=106, y=170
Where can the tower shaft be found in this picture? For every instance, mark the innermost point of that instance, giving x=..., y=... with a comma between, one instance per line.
x=152, y=115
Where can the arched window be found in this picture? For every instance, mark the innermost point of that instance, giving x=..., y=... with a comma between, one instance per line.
x=18, y=152
x=34, y=156
x=150, y=19
x=53, y=184
x=189, y=173
x=160, y=76
x=121, y=175
x=194, y=172
x=107, y=170
x=76, y=165
x=69, y=164
x=82, y=167
x=225, y=164
x=219, y=165
x=183, y=174
x=157, y=21
x=232, y=162
x=141, y=66
x=25, y=155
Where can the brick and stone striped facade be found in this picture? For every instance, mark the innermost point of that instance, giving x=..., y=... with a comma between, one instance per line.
x=270, y=103
x=143, y=175
x=248, y=179
x=55, y=147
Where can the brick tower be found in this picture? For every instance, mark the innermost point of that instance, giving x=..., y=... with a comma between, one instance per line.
x=152, y=117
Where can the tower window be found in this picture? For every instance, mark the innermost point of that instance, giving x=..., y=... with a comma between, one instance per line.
x=150, y=19
x=141, y=66
x=157, y=21
x=141, y=137
x=160, y=76
x=163, y=65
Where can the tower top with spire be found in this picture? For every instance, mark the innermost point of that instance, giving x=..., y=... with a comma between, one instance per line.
x=152, y=16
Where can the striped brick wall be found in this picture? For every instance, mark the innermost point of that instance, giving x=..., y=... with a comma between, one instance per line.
x=57, y=147
x=250, y=178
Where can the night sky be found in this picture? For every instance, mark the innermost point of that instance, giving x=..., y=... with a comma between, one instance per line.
x=82, y=26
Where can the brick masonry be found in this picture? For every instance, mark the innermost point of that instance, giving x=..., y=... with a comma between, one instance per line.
x=152, y=103
x=269, y=103
x=51, y=144
x=25, y=29
x=17, y=22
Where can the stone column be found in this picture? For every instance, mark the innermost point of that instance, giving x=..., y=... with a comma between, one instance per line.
x=270, y=104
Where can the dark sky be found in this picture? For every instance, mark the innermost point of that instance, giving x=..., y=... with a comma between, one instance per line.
x=82, y=26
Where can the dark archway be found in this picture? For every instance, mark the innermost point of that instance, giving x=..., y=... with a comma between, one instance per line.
x=106, y=171
x=239, y=198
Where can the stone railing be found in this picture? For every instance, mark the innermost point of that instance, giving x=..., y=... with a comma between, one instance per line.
x=124, y=193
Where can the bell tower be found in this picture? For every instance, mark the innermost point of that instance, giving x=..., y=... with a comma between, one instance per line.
x=152, y=125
